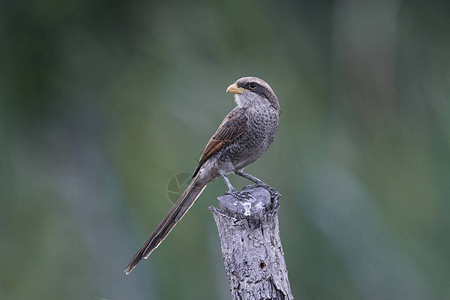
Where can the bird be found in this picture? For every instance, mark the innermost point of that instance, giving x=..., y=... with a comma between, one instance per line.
x=242, y=137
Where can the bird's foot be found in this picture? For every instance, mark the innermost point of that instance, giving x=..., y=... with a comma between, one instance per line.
x=231, y=191
x=274, y=192
x=242, y=195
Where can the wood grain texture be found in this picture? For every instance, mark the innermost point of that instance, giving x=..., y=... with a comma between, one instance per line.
x=251, y=246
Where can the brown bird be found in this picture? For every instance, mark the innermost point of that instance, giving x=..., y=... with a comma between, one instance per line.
x=243, y=136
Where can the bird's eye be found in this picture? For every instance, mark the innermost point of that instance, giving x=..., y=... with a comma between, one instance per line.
x=252, y=85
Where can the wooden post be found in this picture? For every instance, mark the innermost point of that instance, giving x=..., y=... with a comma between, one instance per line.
x=251, y=246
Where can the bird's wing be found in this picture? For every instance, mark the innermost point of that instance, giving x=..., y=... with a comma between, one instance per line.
x=229, y=130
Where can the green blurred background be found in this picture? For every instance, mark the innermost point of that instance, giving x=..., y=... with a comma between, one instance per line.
x=102, y=103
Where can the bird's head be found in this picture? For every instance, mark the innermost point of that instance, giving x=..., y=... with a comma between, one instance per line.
x=251, y=91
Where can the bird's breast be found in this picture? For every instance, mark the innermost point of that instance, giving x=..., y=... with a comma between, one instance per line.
x=262, y=125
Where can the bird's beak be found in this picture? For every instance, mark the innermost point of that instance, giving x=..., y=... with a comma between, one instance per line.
x=235, y=89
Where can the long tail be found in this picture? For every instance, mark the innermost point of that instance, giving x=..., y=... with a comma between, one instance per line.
x=178, y=210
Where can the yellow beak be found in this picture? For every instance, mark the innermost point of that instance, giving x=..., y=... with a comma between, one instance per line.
x=235, y=89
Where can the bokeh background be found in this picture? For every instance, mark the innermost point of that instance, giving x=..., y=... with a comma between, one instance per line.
x=102, y=103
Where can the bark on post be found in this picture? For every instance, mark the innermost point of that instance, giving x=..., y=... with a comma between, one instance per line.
x=251, y=246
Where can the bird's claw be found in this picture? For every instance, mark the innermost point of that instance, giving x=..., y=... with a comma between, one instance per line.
x=242, y=195
x=274, y=192
x=231, y=192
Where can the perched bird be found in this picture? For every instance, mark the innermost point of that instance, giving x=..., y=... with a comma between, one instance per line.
x=243, y=136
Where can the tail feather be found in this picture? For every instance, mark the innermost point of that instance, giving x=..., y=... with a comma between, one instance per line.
x=178, y=210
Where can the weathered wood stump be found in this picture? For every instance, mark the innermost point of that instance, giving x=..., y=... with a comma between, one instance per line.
x=251, y=246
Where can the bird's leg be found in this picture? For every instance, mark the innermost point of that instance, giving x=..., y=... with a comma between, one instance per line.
x=232, y=191
x=251, y=178
x=257, y=181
